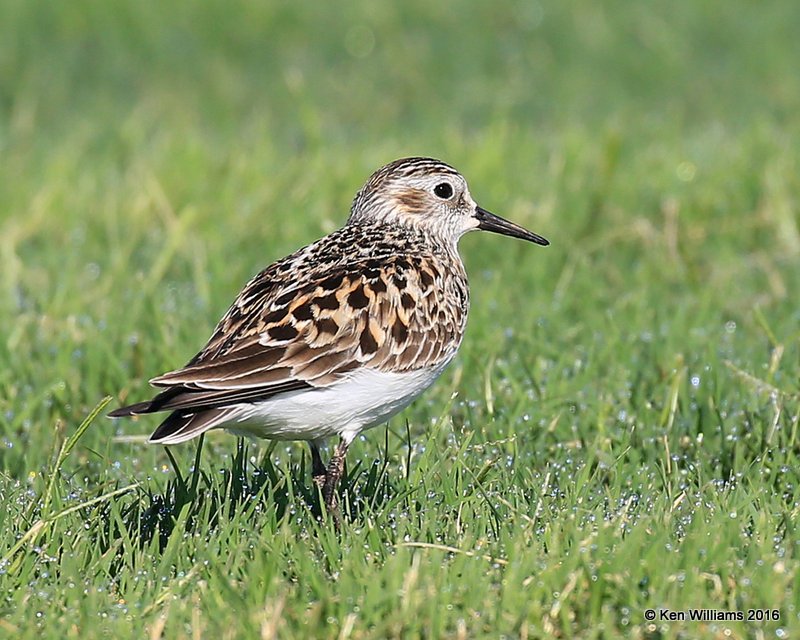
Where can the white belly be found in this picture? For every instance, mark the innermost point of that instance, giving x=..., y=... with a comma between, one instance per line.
x=365, y=399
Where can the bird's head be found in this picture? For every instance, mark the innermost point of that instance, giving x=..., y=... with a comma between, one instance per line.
x=430, y=195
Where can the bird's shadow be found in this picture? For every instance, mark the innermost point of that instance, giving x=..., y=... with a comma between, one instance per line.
x=247, y=490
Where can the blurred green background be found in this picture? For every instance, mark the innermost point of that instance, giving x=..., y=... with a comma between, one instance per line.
x=153, y=156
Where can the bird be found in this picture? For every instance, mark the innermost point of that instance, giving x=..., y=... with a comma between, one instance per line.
x=341, y=335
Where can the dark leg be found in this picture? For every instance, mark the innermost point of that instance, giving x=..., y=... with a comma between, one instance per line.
x=332, y=477
x=318, y=472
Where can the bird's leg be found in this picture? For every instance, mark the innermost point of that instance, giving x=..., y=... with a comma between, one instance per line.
x=318, y=472
x=332, y=477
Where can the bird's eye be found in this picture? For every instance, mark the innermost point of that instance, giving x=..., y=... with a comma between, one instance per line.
x=443, y=190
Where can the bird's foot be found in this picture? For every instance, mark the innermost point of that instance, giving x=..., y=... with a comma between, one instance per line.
x=319, y=479
x=330, y=488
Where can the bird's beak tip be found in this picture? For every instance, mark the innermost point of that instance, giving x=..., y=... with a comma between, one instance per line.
x=488, y=221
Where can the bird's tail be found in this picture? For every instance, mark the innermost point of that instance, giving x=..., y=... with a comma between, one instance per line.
x=159, y=403
x=181, y=426
x=133, y=410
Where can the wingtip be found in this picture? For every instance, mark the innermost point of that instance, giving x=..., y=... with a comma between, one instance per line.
x=130, y=410
x=165, y=379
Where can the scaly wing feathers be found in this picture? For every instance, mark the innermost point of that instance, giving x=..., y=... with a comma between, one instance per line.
x=393, y=312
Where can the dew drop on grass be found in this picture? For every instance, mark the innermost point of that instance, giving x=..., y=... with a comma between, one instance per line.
x=93, y=270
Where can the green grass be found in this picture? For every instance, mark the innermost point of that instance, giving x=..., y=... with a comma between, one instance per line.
x=620, y=429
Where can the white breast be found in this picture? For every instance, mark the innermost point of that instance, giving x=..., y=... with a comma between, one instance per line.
x=363, y=400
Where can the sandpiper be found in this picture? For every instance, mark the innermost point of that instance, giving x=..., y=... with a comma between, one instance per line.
x=344, y=333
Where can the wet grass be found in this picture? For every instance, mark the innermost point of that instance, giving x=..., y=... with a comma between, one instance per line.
x=619, y=430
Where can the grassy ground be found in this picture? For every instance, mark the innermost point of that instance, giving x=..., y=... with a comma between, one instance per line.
x=620, y=429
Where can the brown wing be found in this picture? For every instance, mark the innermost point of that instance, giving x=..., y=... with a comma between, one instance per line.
x=396, y=314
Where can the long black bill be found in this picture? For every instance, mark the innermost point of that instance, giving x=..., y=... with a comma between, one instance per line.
x=490, y=222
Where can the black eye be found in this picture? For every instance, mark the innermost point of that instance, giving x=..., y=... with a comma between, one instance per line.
x=443, y=190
